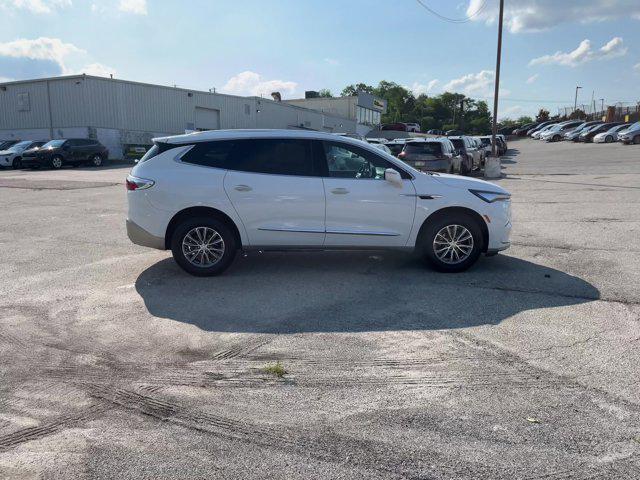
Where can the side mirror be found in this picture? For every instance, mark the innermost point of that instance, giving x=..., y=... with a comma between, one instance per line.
x=393, y=176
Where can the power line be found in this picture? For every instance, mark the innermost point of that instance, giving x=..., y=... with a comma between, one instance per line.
x=449, y=19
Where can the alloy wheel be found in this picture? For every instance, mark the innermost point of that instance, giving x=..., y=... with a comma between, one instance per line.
x=203, y=247
x=97, y=160
x=56, y=162
x=453, y=244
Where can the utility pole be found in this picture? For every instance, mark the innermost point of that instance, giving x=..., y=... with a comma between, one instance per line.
x=494, y=130
x=602, y=105
x=575, y=102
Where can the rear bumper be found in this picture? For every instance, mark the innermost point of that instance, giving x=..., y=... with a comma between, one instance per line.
x=140, y=236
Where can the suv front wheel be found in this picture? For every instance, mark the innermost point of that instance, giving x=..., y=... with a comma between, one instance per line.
x=203, y=246
x=452, y=243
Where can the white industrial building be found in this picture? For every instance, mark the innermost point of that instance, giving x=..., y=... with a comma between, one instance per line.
x=123, y=114
x=364, y=108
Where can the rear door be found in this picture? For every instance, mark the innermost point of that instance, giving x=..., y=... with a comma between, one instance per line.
x=363, y=209
x=277, y=192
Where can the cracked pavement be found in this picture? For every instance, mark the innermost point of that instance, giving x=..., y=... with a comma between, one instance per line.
x=116, y=364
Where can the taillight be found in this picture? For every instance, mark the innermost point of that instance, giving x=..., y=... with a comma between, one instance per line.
x=137, y=183
x=401, y=154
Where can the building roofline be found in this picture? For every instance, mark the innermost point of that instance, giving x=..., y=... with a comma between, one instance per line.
x=83, y=76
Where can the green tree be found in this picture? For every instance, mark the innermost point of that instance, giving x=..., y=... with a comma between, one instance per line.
x=325, y=92
x=353, y=89
x=524, y=120
x=543, y=115
x=577, y=114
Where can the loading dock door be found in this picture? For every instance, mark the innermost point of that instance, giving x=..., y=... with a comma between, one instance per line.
x=207, y=119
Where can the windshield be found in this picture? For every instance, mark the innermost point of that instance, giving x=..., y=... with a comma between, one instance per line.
x=19, y=146
x=458, y=143
x=54, y=143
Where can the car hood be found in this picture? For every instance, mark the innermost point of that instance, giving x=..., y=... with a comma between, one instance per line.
x=465, y=183
x=7, y=152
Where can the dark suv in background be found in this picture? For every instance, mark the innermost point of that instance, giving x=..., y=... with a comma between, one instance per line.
x=70, y=151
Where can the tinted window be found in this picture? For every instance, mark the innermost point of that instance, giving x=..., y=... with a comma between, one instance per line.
x=208, y=154
x=273, y=156
x=55, y=143
x=424, y=148
x=349, y=161
x=458, y=143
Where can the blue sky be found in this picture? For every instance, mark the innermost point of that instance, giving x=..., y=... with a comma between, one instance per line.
x=257, y=46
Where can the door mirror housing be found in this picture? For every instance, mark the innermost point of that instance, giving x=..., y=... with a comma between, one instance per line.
x=393, y=176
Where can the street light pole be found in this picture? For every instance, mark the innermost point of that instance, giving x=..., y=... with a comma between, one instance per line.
x=494, y=130
x=602, y=105
x=575, y=102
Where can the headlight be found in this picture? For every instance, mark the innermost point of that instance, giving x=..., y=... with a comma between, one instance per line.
x=491, y=197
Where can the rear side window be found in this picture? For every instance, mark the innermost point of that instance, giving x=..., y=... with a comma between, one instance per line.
x=157, y=149
x=273, y=156
x=209, y=154
x=424, y=148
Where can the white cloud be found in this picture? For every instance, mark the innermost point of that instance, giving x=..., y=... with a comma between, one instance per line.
x=251, y=83
x=35, y=6
x=6, y=79
x=481, y=83
x=536, y=15
x=583, y=53
x=43, y=48
x=54, y=50
x=138, y=7
x=636, y=67
x=514, y=111
x=332, y=61
x=424, y=89
x=97, y=69
x=532, y=78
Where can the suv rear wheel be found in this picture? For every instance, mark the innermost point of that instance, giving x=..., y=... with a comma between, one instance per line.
x=96, y=160
x=452, y=243
x=203, y=246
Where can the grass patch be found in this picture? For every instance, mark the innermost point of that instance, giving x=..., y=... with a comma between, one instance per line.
x=276, y=369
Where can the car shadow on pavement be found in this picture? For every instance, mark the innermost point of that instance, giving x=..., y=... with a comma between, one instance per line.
x=509, y=157
x=354, y=292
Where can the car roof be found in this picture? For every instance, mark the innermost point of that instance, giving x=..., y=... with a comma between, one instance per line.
x=427, y=140
x=211, y=135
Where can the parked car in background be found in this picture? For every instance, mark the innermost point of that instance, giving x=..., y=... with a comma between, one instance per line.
x=611, y=135
x=481, y=148
x=537, y=134
x=396, y=145
x=5, y=144
x=470, y=155
x=556, y=132
x=71, y=151
x=539, y=127
x=12, y=156
x=630, y=135
x=522, y=131
x=587, y=136
x=575, y=133
x=397, y=127
x=435, y=131
x=454, y=133
x=430, y=155
x=210, y=194
x=413, y=127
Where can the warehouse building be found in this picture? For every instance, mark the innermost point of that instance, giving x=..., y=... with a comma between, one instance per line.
x=125, y=115
x=364, y=108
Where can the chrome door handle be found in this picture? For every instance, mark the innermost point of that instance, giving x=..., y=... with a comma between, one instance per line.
x=339, y=191
x=243, y=188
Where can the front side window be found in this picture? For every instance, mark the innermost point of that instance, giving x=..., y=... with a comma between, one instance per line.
x=348, y=161
x=54, y=143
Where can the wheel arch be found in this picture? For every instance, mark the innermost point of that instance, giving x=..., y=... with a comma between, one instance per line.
x=197, y=212
x=446, y=211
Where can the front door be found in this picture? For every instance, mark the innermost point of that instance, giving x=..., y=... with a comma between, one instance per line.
x=363, y=209
x=277, y=193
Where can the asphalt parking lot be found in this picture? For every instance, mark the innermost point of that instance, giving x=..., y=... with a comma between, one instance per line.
x=116, y=364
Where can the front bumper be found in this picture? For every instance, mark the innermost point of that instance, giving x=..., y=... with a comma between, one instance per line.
x=6, y=161
x=140, y=236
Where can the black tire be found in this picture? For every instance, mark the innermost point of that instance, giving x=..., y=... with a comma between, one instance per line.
x=95, y=160
x=556, y=138
x=636, y=140
x=229, y=245
x=608, y=139
x=17, y=163
x=56, y=162
x=428, y=237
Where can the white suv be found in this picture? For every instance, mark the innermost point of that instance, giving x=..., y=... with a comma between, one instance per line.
x=207, y=195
